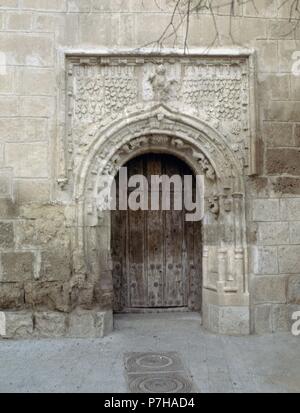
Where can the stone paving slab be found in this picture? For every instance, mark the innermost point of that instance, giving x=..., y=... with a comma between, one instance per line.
x=156, y=373
x=252, y=364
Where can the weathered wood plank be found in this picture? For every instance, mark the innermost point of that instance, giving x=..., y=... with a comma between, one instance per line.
x=157, y=255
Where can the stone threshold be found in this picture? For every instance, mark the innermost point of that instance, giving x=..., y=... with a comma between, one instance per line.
x=53, y=324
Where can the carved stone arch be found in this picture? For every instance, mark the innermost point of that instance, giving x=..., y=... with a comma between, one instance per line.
x=205, y=150
x=158, y=119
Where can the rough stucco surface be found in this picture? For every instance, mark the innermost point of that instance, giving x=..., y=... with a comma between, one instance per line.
x=36, y=254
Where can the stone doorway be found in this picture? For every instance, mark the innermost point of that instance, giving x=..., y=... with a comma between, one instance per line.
x=186, y=118
x=225, y=296
x=156, y=255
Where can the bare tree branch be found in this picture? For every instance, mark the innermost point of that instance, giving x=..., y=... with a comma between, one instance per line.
x=184, y=9
x=187, y=25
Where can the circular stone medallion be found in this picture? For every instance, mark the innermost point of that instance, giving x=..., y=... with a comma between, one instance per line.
x=164, y=383
x=154, y=361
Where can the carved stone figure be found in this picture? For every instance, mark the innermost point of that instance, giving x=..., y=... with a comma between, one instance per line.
x=162, y=87
x=206, y=166
x=214, y=206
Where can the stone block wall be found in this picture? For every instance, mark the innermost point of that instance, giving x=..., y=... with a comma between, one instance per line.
x=35, y=244
x=275, y=259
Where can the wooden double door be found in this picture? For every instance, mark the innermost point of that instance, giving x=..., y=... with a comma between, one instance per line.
x=156, y=254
